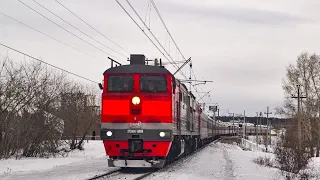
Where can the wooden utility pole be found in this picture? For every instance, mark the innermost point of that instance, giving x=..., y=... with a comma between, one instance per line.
x=267, y=137
x=299, y=97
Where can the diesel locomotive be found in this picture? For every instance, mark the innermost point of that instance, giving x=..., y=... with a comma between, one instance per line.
x=149, y=117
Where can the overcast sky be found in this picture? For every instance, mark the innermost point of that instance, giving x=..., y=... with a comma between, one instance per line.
x=242, y=46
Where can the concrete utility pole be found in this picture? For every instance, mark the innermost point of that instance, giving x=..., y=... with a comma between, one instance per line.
x=299, y=97
x=260, y=129
x=232, y=123
x=267, y=127
x=218, y=121
x=244, y=124
x=233, y=128
x=257, y=123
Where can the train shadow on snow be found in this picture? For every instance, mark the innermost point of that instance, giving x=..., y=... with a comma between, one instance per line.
x=136, y=170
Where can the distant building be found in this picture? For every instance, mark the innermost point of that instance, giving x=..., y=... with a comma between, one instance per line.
x=80, y=108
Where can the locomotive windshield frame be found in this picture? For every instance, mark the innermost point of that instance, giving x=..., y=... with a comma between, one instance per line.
x=120, y=83
x=153, y=83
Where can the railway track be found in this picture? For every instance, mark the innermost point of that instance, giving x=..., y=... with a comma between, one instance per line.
x=130, y=173
x=141, y=173
x=104, y=175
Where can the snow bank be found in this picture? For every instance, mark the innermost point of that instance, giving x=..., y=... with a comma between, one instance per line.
x=313, y=167
x=92, y=150
x=220, y=161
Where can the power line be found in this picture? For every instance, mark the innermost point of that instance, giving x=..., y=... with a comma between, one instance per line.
x=202, y=90
x=47, y=63
x=65, y=29
x=141, y=29
x=152, y=34
x=91, y=26
x=78, y=28
x=47, y=35
x=192, y=72
x=164, y=24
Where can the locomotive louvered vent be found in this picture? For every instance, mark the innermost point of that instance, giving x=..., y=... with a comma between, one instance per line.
x=135, y=111
x=137, y=59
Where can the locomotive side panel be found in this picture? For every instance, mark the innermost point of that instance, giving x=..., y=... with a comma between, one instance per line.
x=204, y=124
x=183, y=110
x=176, y=105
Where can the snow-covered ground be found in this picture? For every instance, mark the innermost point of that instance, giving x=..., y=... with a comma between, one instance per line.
x=220, y=161
x=254, y=139
x=78, y=165
x=216, y=161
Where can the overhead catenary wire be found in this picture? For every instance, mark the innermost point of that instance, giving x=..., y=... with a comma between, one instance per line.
x=172, y=61
x=48, y=35
x=202, y=90
x=152, y=34
x=192, y=73
x=78, y=29
x=47, y=63
x=164, y=24
x=91, y=26
x=141, y=29
x=65, y=29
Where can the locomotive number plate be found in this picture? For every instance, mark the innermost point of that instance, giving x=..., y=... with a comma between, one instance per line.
x=130, y=131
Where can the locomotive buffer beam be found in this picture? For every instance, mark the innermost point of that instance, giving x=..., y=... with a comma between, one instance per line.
x=127, y=162
x=136, y=163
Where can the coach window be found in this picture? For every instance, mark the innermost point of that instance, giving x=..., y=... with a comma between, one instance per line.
x=120, y=83
x=153, y=83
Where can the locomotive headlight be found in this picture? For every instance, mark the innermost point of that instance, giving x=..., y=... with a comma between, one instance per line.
x=162, y=134
x=135, y=100
x=109, y=133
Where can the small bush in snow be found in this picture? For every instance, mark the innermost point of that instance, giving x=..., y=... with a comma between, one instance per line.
x=292, y=158
x=264, y=161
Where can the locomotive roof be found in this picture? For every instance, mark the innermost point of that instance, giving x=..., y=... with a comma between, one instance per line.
x=137, y=68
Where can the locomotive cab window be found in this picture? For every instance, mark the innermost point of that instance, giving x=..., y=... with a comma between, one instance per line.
x=153, y=83
x=120, y=83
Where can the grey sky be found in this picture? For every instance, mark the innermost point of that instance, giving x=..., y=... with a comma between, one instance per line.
x=243, y=46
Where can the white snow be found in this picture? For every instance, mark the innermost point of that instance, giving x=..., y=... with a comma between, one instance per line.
x=78, y=165
x=220, y=161
x=216, y=161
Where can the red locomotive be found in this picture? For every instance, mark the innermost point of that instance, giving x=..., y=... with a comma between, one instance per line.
x=149, y=118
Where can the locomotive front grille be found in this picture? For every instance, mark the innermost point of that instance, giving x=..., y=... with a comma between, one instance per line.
x=135, y=145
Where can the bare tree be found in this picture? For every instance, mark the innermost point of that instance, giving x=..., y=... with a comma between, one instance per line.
x=306, y=73
x=293, y=152
x=37, y=106
x=79, y=114
x=27, y=101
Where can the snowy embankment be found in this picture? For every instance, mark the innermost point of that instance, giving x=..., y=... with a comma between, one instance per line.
x=260, y=140
x=313, y=167
x=216, y=161
x=77, y=165
x=220, y=161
